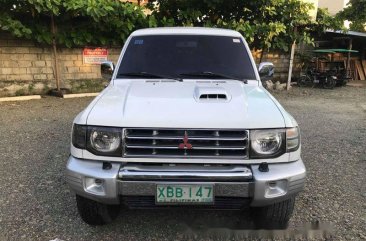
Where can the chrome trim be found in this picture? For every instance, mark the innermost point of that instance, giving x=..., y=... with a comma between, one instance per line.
x=154, y=157
x=184, y=172
x=204, y=143
x=224, y=177
x=77, y=170
x=293, y=172
x=191, y=138
x=123, y=143
x=194, y=147
x=222, y=189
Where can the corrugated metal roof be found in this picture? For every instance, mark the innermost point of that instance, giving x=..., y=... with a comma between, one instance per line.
x=349, y=33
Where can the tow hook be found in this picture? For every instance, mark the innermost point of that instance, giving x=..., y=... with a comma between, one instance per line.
x=263, y=167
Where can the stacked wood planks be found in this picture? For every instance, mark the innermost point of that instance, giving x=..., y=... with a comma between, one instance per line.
x=363, y=62
x=358, y=69
x=361, y=74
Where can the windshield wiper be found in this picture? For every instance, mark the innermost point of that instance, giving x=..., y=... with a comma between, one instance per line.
x=149, y=75
x=213, y=74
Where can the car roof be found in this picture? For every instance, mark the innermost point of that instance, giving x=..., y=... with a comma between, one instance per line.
x=186, y=31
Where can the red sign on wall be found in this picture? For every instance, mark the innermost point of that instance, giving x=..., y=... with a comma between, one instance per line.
x=95, y=56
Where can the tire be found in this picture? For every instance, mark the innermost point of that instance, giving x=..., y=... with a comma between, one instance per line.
x=329, y=83
x=95, y=213
x=344, y=82
x=275, y=216
x=305, y=81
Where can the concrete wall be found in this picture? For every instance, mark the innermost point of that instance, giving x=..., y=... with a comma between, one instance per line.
x=312, y=12
x=333, y=6
x=281, y=61
x=28, y=67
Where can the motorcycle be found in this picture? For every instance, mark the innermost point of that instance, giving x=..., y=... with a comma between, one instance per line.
x=312, y=78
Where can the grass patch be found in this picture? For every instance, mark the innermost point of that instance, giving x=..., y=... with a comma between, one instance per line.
x=85, y=86
x=20, y=92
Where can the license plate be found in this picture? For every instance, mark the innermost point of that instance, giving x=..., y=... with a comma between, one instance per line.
x=184, y=194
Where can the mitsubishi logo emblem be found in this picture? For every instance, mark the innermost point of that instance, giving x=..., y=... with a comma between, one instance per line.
x=185, y=144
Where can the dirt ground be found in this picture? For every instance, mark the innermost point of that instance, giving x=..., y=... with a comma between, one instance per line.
x=36, y=204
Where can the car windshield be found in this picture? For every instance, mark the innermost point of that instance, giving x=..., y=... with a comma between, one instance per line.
x=186, y=56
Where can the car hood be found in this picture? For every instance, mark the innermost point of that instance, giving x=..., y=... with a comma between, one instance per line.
x=188, y=104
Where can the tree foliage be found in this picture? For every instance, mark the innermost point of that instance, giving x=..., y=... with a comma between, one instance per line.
x=78, y=22
x=325, y=21
x=356, y=13
x=267, y=24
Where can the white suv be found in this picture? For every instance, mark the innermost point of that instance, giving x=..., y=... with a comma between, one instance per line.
x=185, y=121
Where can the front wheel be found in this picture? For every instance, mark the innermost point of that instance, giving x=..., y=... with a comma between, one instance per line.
x=275, y=216
x=329, y=82
x=95, y=213
x=305, y=81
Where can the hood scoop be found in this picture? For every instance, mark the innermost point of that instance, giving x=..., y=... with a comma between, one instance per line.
x=211, y=94
x=213, y=97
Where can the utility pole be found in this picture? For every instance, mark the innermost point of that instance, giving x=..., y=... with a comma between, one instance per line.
x=55, y=57
x=348, y=67
x=292, y=55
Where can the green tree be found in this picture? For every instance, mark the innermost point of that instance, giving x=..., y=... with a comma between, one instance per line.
x=356, y=13
x=266, y=24
x=77, y=22
x=72, y=22
x=325, y=21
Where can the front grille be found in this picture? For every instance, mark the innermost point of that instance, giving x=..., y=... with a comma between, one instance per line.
x=190, y=143
x=147, y=202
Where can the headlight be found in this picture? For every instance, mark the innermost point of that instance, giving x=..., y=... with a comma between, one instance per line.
x=104, y=140
x=79, y=136
x=272, y=143
x=293, y=139
x=267, y=142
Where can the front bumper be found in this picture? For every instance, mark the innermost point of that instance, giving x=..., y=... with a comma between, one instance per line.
x=281, y=182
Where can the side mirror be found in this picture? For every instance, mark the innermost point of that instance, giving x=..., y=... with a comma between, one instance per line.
x=266, y=70
x=106, y=70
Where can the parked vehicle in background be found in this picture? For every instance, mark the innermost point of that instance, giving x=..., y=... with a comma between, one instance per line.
x=185, y=121
x=324, y=70
x=312, y=78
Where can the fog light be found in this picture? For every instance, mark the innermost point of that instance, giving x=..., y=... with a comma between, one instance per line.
x=272, y=184
x=94, y=185
x=276, y=188
x=98, y=182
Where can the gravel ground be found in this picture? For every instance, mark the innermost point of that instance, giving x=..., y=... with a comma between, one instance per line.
x=35, y=203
